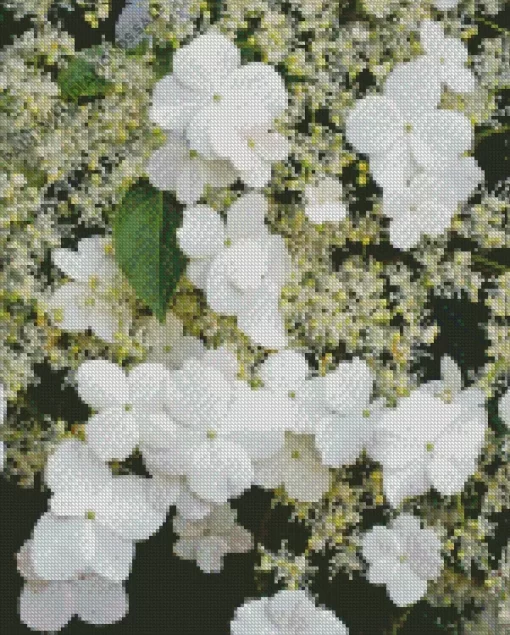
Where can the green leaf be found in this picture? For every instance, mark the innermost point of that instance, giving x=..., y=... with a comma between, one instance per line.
x=80, y=79
x=146, y=245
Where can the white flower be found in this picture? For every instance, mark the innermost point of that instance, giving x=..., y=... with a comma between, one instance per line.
x=427, y=203
x=93, y=518
x=176, y=167
x=324, y=201
x=298, y=467
x=447, y=56
x=225, y=110
x=403, y=557
x=208, y=540
x=49, y=606
x=286, y=613
x=216, y=428
x=338, y=407
x=241, y=133
x=87, y=302
x=239, y=264
x=166, y=344
x=402, y=131
x=127, y=405
x=430, y=440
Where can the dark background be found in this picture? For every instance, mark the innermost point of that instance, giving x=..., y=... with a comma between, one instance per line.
x=169, y=595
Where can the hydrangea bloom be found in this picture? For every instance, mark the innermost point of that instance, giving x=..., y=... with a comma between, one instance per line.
x=176, y=167
x=403, y=557
x=166, y=343
x=86, y=302
x=239, y=264
x=338, y=411
x=93, y=520
x=208, y=540
x=225, y=110
x=216, y=427
x=49, y=606
x=286, y=613
x=432, y=438
x=126, y=404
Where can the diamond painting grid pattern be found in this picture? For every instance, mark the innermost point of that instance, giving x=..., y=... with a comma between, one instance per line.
x=254, y=319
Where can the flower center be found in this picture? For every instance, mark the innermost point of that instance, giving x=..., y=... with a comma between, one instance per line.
x=429, y=447
x=227, y=242
x=292, y=394
x=90, y=515
x=128, y=407
x=295, y=454
x=408, y=128
x=251, y=143
x=442, y=60
x=193, y=154
x=211, y=434
x=216, y=97
x=89, y=302
x=93, y=282
x=403, y=558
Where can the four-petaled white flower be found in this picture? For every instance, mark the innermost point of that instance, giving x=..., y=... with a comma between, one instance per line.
x=447, y=56
x=215, y=429
x=166, y=343
x=224, y=110
x=50, y=605
x=431, y=439
x=176, y=167
x=208, y=540
x=298, y=467
x=126, y=405
x=286, y=613
x=428, y=202
x=239, y=264
x=323, y=201
x=403, y=557
x=87, y=301
x=93, y=520
x=403, y=133
x=339, y=411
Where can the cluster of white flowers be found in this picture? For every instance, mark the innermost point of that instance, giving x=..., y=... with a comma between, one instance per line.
x=211, y=417
x=417, y=151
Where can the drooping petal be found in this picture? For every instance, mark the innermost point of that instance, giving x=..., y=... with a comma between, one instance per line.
x=405, y=588
x=62, y=548
x=113, y=555
x=100, y=602
x=47, y=606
